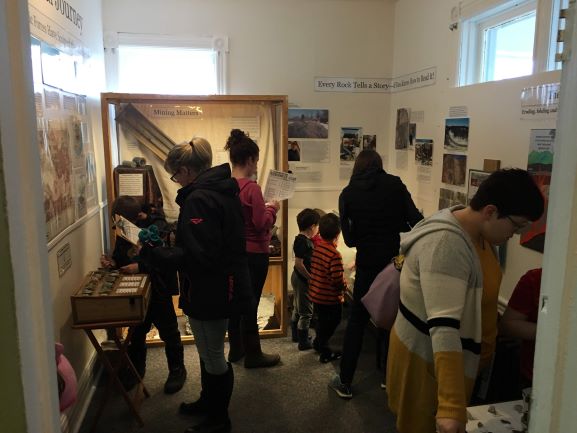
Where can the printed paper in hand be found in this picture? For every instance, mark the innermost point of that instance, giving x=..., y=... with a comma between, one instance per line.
x=279, y=186
x=126, y=230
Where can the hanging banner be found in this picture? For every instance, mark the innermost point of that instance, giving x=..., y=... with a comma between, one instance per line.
x=414, y=80
x=540, y=102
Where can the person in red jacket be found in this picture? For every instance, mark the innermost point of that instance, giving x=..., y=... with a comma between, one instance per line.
x=259, y=217
x=520, y=320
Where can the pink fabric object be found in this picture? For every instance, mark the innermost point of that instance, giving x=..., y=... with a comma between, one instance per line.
x=258, y=218
x=382, y=298
x=66, y=373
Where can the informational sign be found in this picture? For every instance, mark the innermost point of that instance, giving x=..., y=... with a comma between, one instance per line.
x=64, y=259
x=540, y=102
x=413, y=80
x=540, y=166
x=176, y=111
x=131, y=184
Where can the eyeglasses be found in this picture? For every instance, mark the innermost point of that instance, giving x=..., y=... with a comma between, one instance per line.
x=173, y=177
x=519, y=228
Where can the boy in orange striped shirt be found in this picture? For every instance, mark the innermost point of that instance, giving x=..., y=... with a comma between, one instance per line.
x=327, y=285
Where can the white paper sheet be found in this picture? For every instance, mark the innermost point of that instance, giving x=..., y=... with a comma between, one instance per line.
x=279, y=186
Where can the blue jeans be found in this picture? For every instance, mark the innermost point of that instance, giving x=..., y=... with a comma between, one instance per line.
x=209, y=339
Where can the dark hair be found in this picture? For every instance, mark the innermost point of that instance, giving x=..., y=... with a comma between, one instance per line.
x=320, y=212
x=126, y=206
x=513, y=191
x=329, y=226
x=241, y=147
x=306, y=218
x=367, y=160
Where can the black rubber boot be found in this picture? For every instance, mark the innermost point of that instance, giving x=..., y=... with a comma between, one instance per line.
x=219, y=391
x=294, y=332
x=236, y=346
x=255, y=358
x=304, y=340
x=199, y=407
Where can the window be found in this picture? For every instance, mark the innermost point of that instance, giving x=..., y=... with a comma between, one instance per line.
x=505, y=39
x=508, y=48
x=165, y=65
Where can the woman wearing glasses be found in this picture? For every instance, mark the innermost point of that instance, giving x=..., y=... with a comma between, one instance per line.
x=259, y=218
x=210, y=255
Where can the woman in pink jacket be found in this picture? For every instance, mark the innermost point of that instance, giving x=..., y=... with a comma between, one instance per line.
x=259, y=217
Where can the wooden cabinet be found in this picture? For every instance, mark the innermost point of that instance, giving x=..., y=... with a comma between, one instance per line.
x=147, y=126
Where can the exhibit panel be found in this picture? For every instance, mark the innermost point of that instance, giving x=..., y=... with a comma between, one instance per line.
x=140, y=129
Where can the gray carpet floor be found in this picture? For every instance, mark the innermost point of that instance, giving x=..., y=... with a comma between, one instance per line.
x=292, y=397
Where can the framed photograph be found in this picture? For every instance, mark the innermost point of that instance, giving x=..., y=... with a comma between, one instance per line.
x=476, y=177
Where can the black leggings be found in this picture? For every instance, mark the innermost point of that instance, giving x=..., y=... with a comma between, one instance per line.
x=329, y=317
x=258, y=270
x=160, y=313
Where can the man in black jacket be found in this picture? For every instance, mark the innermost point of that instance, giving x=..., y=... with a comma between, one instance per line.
x=374, y=208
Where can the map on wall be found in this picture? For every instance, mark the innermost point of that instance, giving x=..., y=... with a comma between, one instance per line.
x=63, y=135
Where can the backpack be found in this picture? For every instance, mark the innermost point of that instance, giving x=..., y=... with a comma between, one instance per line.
x=382, y=298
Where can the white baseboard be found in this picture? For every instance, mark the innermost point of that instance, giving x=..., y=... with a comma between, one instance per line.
x=71, y=419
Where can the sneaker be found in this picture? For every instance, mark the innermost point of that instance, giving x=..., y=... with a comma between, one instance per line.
x=342, y=389
x=175, y=380
x=329, y=356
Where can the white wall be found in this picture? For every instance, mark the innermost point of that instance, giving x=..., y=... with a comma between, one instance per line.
x=85, y=238
x=278, y=47
x=423, y=39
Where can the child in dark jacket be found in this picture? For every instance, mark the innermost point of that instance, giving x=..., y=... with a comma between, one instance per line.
x=308, y=222
x=160, y=310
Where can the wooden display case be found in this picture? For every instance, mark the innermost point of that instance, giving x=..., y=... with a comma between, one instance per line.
x=146, y=125
x=106, y=297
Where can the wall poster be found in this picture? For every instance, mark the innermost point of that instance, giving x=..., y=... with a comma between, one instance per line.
x=308, y=123
x=351, y=142
x=450, y=197
x=454, y=169
x=540, y=166
x=402, y=128
x=63, y=126
x=424, y=159
x=457, y=134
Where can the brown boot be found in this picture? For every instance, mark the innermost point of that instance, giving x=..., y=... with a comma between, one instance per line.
x=254, y=357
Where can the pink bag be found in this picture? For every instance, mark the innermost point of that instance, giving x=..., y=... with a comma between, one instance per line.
x=67, y=385
x=382, y=298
